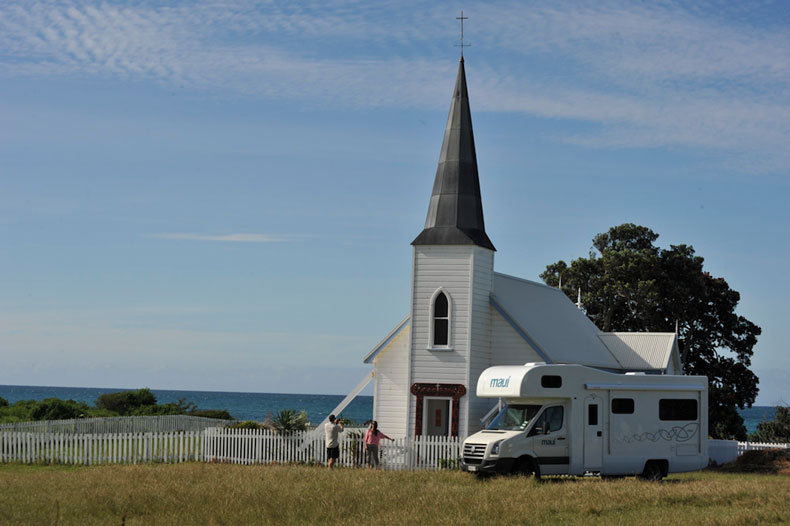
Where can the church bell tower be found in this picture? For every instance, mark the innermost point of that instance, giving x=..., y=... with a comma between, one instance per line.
x=452, y=276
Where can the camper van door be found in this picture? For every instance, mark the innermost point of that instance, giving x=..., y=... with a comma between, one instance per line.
x=550, y=440
x=593, y=433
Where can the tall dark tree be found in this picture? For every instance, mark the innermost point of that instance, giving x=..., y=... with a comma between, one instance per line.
x=630, y=284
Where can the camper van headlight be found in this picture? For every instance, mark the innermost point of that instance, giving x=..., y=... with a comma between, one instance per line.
x=497, y=445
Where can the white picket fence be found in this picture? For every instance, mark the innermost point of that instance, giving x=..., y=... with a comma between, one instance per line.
x=750, y=446
x=237, y=446
x=244, y=446
x=118, y=424
x=100, y=448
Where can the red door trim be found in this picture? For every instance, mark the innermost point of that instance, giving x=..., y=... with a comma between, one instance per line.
x=454, y=391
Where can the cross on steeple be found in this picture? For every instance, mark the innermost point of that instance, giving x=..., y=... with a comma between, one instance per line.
x=462, y=45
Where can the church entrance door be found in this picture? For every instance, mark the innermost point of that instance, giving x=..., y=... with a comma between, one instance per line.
x=436, y=416
x=437, y=408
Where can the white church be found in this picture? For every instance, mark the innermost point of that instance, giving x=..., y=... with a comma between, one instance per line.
x=465, y=317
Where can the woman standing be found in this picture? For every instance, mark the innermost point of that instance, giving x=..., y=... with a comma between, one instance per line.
x=372, y=438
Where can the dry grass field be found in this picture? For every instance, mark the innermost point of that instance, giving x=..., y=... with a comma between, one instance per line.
x=213, y=494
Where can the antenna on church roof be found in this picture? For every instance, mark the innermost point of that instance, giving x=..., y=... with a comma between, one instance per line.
x=560, y=285
x=676, y=327
x=579, y=299
x=462, y=45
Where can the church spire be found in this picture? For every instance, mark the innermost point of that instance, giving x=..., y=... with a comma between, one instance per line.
x=455, y=213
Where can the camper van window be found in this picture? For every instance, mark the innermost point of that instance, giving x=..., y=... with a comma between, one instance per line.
x=548, y=421
x=592, y=414
x=514, y=417
x=623, y=406
x=551, y=381
x=677, y=409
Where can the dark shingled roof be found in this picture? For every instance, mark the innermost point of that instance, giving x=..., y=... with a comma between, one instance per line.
x=455, y=214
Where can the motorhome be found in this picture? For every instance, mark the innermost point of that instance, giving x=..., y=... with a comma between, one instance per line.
x=560, y=419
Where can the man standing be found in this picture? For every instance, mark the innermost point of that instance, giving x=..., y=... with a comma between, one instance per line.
x=332, y=429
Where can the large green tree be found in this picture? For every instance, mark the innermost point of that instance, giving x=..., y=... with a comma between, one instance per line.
x=629, y=284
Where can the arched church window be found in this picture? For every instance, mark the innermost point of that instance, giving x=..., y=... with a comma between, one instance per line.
x=441, y=320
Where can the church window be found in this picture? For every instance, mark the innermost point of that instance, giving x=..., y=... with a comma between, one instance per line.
x=441, y=320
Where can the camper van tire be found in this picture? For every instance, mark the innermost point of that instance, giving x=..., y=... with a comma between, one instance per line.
x=654, y=470
x=528, y=467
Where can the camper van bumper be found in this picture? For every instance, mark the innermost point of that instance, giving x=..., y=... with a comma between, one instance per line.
x=498, y=465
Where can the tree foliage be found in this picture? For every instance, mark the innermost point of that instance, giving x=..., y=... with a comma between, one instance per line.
x=247, y=424
x=630, y=284
x=125, y=403
x=287, y=421
x=57, y=409
x=47, y=409
x=777, y=430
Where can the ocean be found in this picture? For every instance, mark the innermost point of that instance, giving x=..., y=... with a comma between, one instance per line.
x=257, y=406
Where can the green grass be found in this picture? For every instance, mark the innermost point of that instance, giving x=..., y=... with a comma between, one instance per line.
x=197, y=493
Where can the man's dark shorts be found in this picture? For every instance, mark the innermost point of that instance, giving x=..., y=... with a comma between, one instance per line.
x=333, y=452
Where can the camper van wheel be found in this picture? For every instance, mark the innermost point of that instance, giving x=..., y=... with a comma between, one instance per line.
x=527, y=466
x=653, y=471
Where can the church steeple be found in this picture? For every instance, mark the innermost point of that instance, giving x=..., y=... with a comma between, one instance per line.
x=455, y=213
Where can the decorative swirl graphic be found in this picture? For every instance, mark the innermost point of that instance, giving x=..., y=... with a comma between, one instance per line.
x=677, y=433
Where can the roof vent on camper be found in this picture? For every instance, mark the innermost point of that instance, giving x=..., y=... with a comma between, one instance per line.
x=530, y=364
x=632, y=373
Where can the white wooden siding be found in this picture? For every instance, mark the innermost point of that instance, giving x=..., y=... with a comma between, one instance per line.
x=448, y=267
x=508, y=348
x=391, y=389
x=480, y=340
x=465, y=273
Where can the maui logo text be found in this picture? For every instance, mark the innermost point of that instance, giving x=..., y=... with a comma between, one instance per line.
x=500, y=382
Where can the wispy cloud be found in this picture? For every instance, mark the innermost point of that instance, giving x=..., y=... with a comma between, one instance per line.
x=224, y=238
x=650, y=75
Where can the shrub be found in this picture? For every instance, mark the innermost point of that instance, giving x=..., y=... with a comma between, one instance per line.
x=287, y=421
x=777, y=430
x=220, y=414
x=247, y=424
x=3, y=402
x=126, y=402
x=19, y=412
x=56, y=409
x=155, y=410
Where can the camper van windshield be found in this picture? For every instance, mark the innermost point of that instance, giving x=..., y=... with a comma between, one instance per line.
x=514, y=417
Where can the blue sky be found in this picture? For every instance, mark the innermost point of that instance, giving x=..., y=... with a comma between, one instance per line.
x=220, y=195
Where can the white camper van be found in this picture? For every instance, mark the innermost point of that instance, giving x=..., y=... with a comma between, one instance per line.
x=576, y=420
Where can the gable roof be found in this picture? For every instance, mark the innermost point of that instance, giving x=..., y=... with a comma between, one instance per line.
x=455, y=213
x=641, y=351
x=387, y=340
x=552, y=322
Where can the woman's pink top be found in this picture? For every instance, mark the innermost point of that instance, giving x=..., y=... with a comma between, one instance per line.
x=374, y=439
